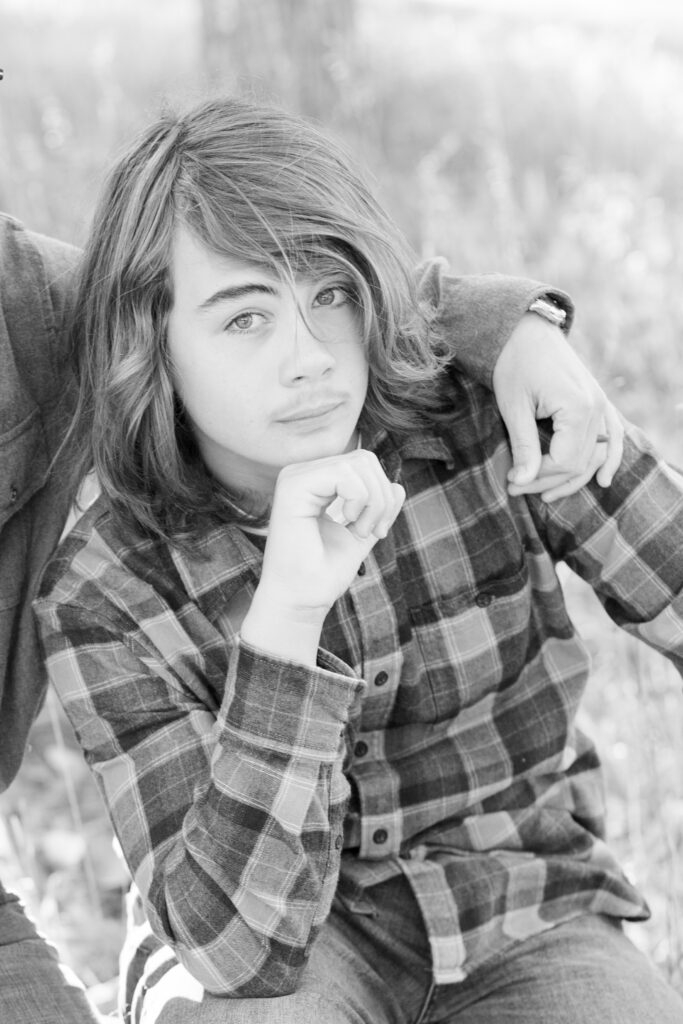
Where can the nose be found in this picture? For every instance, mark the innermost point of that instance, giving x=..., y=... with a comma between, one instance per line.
x=307, y=357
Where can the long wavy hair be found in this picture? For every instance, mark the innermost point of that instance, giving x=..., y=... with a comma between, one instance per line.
x=256, y=185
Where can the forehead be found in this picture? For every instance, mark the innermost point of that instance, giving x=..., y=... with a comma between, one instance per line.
x=190, y=255
x=197, y=271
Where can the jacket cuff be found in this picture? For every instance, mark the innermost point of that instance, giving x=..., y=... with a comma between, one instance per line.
x=477, y=313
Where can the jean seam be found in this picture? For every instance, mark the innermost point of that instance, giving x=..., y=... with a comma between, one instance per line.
x=425, y=1006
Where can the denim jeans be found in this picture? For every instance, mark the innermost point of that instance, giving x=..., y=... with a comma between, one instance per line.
x=371, y=965
x=34, y=987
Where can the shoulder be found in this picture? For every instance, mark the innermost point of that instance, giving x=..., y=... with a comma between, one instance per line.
x=31, y=248
x=108, y=565
x=37, y=286
x=467, y=437
x=32, y=260
x=99, y=556
x=37, y=393
x=471, y=415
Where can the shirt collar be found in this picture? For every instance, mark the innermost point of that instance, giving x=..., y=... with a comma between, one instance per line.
x=233, y=544
x=425, y=443
x=218, y=566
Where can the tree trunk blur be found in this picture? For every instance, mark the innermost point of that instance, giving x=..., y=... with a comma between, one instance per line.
x=294, y=52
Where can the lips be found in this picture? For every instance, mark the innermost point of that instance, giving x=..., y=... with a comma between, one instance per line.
x=311, y=412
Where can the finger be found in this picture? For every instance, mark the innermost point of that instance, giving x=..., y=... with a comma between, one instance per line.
x=552, y=485
x=364, y=499
x=570, y=486
x=374, y=511
x=352, y=494
x=573, y=440
x=524, y=444
x=548, y=478
x=574, y=483
x=398, y=495
x=354, y=509
x=540, y=484
x=335, y=511
x=381, y=510
x=615, y=447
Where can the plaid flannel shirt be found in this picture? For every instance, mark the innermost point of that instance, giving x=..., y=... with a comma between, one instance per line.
x=436, y=737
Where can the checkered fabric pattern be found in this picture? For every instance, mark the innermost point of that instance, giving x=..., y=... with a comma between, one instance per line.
x=436, y=737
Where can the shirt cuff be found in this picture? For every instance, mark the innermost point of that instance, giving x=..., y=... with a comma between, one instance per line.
x=284, y=705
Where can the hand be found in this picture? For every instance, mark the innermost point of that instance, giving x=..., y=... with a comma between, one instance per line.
x=539, y=375
x=311, y=556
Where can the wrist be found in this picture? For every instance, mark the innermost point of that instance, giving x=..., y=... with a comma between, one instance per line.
x=282, y=630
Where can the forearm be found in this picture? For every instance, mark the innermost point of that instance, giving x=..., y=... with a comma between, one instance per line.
x=222, y=815
x=627, y=544
x=267, y=823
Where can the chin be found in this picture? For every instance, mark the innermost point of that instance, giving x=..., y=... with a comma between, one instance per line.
x=337, y=446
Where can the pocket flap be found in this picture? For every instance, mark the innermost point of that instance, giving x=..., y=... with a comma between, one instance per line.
x=23, y=465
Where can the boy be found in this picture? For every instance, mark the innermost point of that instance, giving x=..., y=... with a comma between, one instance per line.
x=315, y=651
x=36, y=401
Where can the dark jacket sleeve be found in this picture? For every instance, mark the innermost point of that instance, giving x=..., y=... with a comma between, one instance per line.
x=478, y=312
x=36, y=401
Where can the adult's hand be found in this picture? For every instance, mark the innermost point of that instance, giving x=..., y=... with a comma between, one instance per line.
x=538, y=375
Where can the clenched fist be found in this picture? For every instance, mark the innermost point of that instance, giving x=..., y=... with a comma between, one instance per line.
x=327, y=515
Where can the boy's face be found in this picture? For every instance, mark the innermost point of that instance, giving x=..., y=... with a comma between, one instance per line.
x=265, y=382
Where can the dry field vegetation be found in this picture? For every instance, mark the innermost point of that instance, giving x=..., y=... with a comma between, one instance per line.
x=553, y=149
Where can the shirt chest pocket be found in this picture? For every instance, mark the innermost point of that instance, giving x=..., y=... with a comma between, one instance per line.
x=470, y=643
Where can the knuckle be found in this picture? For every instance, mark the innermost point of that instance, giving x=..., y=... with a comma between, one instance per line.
x=369, y=458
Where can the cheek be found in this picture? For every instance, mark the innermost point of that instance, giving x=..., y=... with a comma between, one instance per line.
x=362, y=369
x=355, y=357
x=203, y=398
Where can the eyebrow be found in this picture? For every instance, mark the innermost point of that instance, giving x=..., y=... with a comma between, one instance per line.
x=237, y=291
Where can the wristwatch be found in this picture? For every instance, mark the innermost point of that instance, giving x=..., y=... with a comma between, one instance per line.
x=550, y=311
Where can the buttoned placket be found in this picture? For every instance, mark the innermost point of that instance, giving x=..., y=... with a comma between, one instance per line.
x=377, y=629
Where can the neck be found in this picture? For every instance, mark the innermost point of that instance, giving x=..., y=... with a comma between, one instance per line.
x=252, y=506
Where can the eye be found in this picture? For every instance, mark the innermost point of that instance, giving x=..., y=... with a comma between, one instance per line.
x=244, y=323
x=333, y=295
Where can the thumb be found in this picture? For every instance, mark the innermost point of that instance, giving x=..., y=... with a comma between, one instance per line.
x=525, y=445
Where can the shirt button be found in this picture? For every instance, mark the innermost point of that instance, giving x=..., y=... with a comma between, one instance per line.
x=338, y=843
x=380, y=836
x=483, y=600
x=360, y=749
x=13, y=494
x=381, y=678
x=361, y=569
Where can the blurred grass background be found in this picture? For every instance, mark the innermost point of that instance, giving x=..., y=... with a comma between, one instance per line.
x=509, y=136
